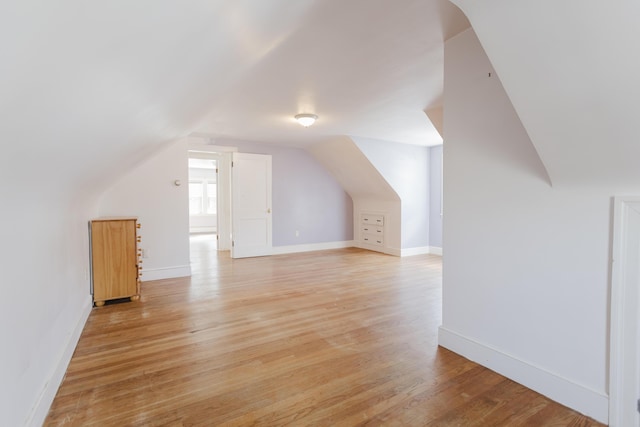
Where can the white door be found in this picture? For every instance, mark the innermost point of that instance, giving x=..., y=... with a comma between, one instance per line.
x=250, y=205
x=625, y=318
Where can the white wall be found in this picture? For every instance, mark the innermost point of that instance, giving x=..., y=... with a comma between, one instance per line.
x=46, y=300
x=365, y=184
x=406, y=168
x=310, y=208
x=571, y=70
x=149, y=193
x=527, y=265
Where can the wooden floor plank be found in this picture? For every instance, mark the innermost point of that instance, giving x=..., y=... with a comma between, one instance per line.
x=332, y=338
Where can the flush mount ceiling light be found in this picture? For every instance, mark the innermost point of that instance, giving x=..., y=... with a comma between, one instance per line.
x=306, y=120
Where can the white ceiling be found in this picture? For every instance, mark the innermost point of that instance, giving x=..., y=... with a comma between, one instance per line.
x=367, y=68
x=88, y=89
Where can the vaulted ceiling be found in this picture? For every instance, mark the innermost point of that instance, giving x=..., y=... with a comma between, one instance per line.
x=366, y=67
x=88, y=89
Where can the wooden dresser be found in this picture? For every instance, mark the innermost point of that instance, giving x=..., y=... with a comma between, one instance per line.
x=115, y=259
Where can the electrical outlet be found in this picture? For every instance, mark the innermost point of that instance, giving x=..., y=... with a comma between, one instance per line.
x=145, y=253
x=297, y=233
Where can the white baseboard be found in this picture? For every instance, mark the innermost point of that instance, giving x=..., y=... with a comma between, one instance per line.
x=392, y=251
x=569, y=393
x=434, y=250
x=41, y=408
x=376, y=248
x=422, y=250
x=166, y=272
x=281, y=250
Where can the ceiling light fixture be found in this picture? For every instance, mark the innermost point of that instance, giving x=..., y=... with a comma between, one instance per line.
x=306, y=120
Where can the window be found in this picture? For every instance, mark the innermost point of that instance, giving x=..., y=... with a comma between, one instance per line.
x=202, y=197
x=210, y=198
x=195, y=197
x=202, y=187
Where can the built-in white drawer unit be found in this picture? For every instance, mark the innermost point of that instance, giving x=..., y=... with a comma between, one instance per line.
x=371, y=239
x=372, y=219
x=372, y=229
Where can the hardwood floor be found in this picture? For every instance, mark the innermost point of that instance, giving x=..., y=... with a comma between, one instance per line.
x=333, y=338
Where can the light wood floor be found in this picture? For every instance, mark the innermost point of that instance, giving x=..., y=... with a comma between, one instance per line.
x=334, y=338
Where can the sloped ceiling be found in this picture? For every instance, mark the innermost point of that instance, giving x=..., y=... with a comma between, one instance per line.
x=571, y=70
x=366, y=67
x=353, y=170
x=87, y=89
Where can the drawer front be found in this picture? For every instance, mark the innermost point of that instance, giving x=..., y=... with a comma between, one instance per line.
x=372, y=239
x=372, y=219
x=372, y=229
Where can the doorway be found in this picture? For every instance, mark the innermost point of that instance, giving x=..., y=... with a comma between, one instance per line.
x=243, y=222
x=203, y=196
x=209, y=202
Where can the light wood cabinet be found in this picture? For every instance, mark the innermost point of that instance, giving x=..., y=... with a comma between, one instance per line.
x=115, y=261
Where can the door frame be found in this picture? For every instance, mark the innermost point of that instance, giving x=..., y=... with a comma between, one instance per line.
x=222, y=154
x=624, y=368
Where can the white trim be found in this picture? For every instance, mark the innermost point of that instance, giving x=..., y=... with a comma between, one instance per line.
x=202, y=145
x=424, y=250
x=166, y=273
x=623, y=357
x=569, y=393
x=435, y=250
x=376, y=248
x=48, y=393
x=281, y=250
x=388, y=251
